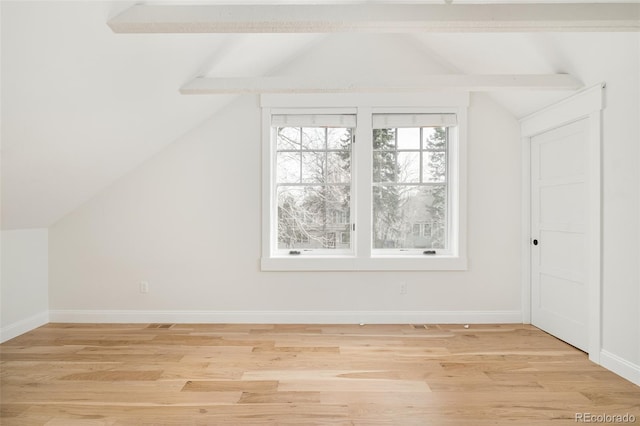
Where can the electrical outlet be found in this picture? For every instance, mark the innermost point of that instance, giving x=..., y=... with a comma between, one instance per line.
x=403, y=287
x=144, y=287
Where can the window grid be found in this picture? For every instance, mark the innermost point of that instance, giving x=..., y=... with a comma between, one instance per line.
x=378, y=182
x=330, y=209
x=420, y=150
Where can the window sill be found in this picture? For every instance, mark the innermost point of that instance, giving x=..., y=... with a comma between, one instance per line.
x=375, y=263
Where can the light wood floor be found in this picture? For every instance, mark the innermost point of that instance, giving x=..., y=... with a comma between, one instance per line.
x=163, y=374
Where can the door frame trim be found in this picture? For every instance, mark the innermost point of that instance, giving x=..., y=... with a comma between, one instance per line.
x=585, y=104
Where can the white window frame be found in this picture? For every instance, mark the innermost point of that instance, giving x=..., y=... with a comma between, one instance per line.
x=274, y=250
x=452, y=138
x=363, y=257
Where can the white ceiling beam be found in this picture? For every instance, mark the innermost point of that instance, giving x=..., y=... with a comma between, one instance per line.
x=363, y=84
x=306, y=18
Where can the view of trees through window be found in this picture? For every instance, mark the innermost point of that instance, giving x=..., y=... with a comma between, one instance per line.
x=409, y=188
x=314, y=187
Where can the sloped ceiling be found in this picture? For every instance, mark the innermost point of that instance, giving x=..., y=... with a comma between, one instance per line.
x=82, y=106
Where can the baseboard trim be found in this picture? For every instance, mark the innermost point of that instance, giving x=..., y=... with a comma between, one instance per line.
x=620, y=366
x=287, y=317
x=23, y=326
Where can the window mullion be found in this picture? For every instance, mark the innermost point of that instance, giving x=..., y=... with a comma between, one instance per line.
x=362, y=180
x=300, y=154
x=421, y=158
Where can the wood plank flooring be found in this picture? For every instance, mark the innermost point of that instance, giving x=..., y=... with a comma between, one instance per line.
x=175, y=374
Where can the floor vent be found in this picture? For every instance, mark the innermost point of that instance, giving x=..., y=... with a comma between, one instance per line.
x=164, y=326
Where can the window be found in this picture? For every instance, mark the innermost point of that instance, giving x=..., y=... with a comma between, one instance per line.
x=313, y=181
x=410, y=181
x=363, y=188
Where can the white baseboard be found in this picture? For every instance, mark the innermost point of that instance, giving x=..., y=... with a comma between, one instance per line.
x=288, y=317
x=20, y=327
x=620, y=366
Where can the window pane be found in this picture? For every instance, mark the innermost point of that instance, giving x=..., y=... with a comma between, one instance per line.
x=312, y=217
x=384, y=166
x=339, y=167
x=409, y=138
x=288, y=170
x=434, y=167
x=339, y=138
x=400, y=212
x=408, y=167
x=288, y=138
x=314, y=138
x=409, y=193
x=314, y=213
x=434, y=138
x=314, y=165
x=384, y=139
x=426, y=230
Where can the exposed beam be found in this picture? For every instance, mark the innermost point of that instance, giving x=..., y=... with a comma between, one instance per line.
x=325, y=18
x=363, y=84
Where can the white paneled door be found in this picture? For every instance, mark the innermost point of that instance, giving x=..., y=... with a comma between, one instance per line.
x=559, y=218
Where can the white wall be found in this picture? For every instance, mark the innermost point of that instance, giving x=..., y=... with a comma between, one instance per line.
x=188, y=222
x=619, y=68
x=24, y=285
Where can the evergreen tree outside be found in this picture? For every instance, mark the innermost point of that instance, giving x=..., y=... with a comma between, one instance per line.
x=437, y=172
x=386, y=198
x=409, y=205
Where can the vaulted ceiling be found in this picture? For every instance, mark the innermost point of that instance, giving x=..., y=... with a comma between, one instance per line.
x=82, y=106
